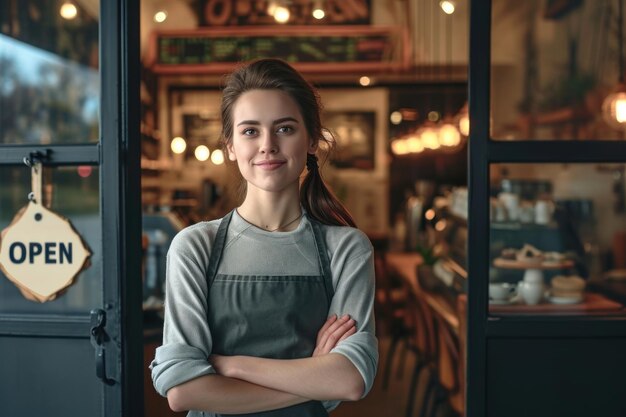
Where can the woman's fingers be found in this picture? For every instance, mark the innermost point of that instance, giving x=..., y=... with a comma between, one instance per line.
x=334, y=330
x=350, y=332
x=337, y=333
x=325, y=327
x=334, y=325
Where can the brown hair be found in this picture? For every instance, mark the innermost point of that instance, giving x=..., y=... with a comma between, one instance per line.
x=275, y=74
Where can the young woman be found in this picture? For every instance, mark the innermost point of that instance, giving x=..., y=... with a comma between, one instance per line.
x=269, y=310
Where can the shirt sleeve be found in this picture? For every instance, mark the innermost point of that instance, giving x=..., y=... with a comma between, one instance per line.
x=354, y=295
x=187, y=339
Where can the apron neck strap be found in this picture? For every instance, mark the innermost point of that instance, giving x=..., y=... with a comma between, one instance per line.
x=218, y=248
x=322, y=254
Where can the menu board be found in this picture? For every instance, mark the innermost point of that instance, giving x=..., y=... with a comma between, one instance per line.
x=206, y=50
x=198, y=50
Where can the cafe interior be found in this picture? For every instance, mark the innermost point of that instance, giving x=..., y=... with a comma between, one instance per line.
x=394, y=77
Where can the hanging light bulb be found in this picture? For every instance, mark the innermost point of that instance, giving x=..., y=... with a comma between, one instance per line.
x=68, y=10
x=449, y=135
x=318, y=9
x=463, y=120
x=202, y=153
x=178, y=145
x=448, y=6
x=217, y=157
x=365, y=81
x=614, y=105
x=396, y=117
x=429, y=135
x=414, y=143
x=281, y=14
x=614, y=108
x=399, y=147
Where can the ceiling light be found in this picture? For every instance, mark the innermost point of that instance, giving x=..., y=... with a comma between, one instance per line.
x=318, y=9
x=217, y=157
x=399, y=147
x=271, y=8
x=160, y=16
x=202, y=153
x=447, y=6
x=449, y=135
x=395, y=117
x=178, y=145
x=614, y=105
x=430, y=138
x=68, y=10
x=281, y=14
x=365, y=81
x=414, y=144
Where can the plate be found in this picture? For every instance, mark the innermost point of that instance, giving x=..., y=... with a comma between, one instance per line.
x=566, y=300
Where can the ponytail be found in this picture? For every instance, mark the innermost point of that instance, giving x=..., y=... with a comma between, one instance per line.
x=319, y=201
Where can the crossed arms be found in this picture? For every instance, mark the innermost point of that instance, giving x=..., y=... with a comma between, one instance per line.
x=247, y=384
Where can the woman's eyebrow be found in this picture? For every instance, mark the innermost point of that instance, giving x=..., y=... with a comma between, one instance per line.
x=285, y=119
x=277, y=121
x=248, y=122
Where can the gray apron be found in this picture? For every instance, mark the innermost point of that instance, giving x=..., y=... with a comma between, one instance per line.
x=275, y=317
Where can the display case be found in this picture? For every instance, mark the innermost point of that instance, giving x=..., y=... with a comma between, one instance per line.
x=545, y=212
x=554, y=238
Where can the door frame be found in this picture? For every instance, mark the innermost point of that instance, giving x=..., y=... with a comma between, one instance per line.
x=118, y=155
x=483, y=151
x=120, y=185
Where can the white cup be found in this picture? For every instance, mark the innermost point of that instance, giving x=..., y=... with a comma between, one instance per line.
x=543, y=212
x=501, y=291
x=511, y=202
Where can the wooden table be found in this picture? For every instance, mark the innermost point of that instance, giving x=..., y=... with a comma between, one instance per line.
x=406, y=263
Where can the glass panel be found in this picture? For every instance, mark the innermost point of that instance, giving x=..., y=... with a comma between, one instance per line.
x=65, y=368
x=49, y=78
x=75, y=195
x=557, y=239
x=553, y=64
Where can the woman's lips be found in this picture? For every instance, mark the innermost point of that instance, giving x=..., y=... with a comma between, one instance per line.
x=270, y=165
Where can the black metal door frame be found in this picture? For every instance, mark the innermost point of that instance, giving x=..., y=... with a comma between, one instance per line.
x=118, y=156
x=482, y=152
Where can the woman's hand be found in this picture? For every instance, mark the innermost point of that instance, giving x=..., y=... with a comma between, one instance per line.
x=332, y=332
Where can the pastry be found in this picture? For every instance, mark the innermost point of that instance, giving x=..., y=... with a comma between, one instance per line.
x=530, y=254
x=509, y=253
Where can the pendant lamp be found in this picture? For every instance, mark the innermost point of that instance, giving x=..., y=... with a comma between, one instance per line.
x=614, y=105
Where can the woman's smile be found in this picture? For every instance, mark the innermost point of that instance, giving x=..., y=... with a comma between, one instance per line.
x=270, y=164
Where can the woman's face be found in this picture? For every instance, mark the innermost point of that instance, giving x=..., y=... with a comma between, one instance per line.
x=270, y=141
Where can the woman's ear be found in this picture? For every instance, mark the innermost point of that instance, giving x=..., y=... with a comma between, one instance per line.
x=231, y=153
x=313, y=146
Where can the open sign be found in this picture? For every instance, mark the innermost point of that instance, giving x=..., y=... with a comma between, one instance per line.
x=41, y=253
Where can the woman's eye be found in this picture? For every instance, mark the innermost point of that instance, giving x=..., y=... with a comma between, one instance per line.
x=285, y=129
x=248, y=132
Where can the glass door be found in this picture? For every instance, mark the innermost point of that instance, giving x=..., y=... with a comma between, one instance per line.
x=68, y=90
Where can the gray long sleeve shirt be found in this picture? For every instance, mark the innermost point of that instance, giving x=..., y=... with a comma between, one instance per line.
x=187, y=339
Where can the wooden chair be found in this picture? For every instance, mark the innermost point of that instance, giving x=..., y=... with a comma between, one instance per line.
x=424, y=344
x=446, y=388
x=389, y=304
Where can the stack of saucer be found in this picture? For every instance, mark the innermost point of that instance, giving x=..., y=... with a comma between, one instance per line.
x=567, y=289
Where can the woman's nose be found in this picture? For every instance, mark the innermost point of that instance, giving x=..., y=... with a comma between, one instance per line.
x=268, y=143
